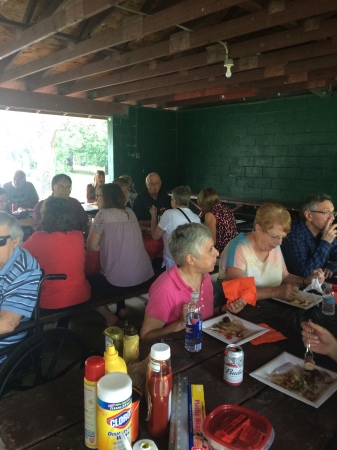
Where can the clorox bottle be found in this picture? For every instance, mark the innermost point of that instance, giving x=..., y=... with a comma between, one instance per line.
x=114, y=411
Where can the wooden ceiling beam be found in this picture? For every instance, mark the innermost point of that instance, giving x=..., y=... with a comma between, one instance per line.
x=218, y=80
x=248, y=47
x=67, y=16
x=133, y=29
x=119, y=86
x=239, y=92
x=29, y=12
x=10, y=98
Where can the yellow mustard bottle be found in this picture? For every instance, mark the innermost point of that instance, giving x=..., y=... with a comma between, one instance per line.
x=130, y=344
x=113, y=362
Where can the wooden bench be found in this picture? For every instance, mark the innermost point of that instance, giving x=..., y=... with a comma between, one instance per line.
x=97, y=299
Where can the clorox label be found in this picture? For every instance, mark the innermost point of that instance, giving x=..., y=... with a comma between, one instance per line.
x=120, y=420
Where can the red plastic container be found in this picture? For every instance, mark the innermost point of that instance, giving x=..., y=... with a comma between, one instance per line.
x=231, y=427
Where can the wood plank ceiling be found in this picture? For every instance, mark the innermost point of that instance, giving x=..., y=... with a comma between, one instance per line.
x=95, y=57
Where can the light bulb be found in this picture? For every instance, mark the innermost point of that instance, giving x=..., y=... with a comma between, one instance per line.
x=228, y=63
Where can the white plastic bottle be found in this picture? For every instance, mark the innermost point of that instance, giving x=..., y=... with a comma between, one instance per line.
x=114, y=411
x=193, y=334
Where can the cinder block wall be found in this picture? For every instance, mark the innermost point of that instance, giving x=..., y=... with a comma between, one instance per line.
x=283, y=149
x=144, y=142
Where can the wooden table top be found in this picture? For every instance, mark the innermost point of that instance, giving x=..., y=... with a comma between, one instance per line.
x=51, y=416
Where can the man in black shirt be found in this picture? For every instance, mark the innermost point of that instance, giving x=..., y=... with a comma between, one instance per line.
x=152, y=196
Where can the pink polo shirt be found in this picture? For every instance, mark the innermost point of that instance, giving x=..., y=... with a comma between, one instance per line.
x=169, y=293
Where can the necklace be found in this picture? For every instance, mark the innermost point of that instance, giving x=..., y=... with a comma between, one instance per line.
x=192, y=284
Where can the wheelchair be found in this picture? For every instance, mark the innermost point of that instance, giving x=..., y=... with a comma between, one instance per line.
x=43, y=355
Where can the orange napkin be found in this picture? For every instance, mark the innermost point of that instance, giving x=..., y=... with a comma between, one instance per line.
x=240, y=288
x=271, y=336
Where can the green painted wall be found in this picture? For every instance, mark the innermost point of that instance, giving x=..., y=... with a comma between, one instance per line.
x=144, y=142
x=283, y=149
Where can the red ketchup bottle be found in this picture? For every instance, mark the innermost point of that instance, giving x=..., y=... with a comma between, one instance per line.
x=159, y=384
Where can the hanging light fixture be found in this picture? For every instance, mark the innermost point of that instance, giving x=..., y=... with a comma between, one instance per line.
x=228, y=62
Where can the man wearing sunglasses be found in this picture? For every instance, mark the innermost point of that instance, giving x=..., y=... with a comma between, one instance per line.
x=19, y=278
x=312, y=242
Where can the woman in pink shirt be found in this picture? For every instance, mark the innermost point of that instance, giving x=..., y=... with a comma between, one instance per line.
x=192, y=248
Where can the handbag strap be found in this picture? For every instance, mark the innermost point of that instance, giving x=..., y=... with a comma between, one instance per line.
x=182, y=212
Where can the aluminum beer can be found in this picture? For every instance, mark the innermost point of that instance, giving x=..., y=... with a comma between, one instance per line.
x=233, y=368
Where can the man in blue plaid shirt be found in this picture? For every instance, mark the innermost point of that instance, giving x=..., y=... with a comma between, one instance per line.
x=312, y=242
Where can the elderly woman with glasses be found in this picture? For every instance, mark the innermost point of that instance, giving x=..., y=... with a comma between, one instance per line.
x=61, y=187
x=192, y=248
x=258, y=254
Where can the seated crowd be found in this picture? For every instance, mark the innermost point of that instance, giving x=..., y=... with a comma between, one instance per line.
x=308, y=250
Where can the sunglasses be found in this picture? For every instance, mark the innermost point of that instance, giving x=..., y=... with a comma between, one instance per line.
x=4, y=239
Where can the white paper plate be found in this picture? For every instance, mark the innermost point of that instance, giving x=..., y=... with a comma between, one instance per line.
x=263, y=374
x=253, y=330
x=311, y=298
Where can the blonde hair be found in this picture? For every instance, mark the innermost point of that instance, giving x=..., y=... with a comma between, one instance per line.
x=207, y=197
x=269, y=214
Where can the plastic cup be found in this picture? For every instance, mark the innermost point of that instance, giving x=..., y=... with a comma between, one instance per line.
x=136, y=397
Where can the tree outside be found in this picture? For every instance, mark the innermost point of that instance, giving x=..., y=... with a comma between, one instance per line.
x=44, y=145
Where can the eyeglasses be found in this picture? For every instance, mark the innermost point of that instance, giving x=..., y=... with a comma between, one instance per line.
x=64, y=187
x=325, y=213
x=4, y=239
x=275, y=238
x=99, y=195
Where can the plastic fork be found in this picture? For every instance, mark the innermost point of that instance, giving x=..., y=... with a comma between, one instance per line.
x=309, y=362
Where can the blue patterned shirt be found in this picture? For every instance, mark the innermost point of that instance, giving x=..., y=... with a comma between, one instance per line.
x=19, y=280
x=303, y=252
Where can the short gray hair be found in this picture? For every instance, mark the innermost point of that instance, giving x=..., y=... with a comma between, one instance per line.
x=311, y=202
x=182, y=195
x=188, y=239
x=14, y=229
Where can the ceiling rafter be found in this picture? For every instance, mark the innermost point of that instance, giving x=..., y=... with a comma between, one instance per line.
x=76, y=11
x=198, y=39
x=138, y=28
x=158, y=53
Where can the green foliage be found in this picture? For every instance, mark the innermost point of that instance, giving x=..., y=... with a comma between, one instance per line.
x=82, y=142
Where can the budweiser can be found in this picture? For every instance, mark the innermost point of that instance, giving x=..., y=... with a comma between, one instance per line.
x=233, y=368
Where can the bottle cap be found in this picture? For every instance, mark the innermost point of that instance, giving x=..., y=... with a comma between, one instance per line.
x=160, y=352
x=110, y=352
x=195, y=296
x=131, y=330
x=94, y=368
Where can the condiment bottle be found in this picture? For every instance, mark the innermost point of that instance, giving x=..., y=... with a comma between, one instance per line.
x=113, y=362
x=130, y=344
x=159, y=388
x=193, y=334
x=94, y=370
x=114, y=335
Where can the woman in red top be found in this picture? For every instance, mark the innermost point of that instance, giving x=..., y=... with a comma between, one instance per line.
x=219, y=218
x=60, y=249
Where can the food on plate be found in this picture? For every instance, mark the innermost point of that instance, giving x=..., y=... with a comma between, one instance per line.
x=229, y=328
x=299, y=300
x=309, y=384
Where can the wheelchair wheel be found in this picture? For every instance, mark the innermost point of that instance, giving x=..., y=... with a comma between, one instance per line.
x=41, y=358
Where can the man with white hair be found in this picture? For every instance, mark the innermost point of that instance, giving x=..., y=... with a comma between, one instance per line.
x=19, y=279
x=153, y=196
